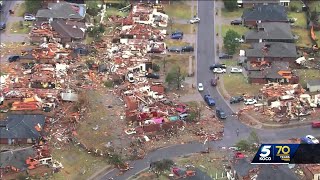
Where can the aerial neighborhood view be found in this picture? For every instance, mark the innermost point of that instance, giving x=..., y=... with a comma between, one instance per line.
x=160, y=89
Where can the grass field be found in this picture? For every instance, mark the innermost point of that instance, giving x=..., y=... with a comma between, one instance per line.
x=236, y=84
x=234, y=14
x=239, y=29
x=16, y=28
x=307, y=74
x=179, y=10
x=20, y=9
x=304, y=39
x=174, y=42
x=185, y=28
x=301, y=19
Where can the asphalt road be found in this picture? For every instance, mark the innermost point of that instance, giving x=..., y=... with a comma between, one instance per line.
x=6, y=6
x=205, y=57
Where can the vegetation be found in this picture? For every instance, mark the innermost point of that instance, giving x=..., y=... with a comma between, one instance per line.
x=96, y=31
x=230, y=42
x=156, y=68
x=175, y=77
x=108, y=84
x=93, y=7
x=160, y=166
x=196, y=111
x=230, y=5
x=32, y=6
x=20, y=27
x=234, y=14
x=179, y=10
x=116, y=160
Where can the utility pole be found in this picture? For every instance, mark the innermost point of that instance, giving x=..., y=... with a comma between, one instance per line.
x=179, y=78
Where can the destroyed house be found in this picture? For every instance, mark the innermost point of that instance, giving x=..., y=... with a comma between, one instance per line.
x=264, y=13
x=139, y=31
x=243, y=170
x=21, y=129
x=270, y=32
x=272, y=51
x=15, y=160
x=67, y=32
x=62, y=10
x=275, y=72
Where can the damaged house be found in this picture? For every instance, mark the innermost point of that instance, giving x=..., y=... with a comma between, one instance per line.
x=252, y=3
x=21, y=129
x=270, y=32
x=68, y=31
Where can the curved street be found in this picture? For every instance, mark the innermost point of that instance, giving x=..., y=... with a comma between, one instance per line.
x=206, y=55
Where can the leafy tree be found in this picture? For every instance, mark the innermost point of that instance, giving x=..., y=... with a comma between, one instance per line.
x=160, y=166
x=230, y=5
x=156, y=68
x=175, y=77
x=230, y=42
x=32, y=6
x=116, y=160
x=93, y=8
x=254, y=137
x=244, y=145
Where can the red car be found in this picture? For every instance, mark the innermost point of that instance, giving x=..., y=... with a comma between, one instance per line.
x=315, y=124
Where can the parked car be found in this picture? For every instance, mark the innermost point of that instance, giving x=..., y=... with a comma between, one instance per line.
x=214, y=82
x=315, y=124
x=209, y=100
x=175, y=49
x=225, y=56
x=200, y=87
x=220, y=114
x=223, y=66
x=153, y=76
x=194, y=20
x=177, y=35
x=219, y=70
x=250, y=101
x=236, y=70
x=13, y=58
x=183, y=116
x=240, y=40
x=236, y=22
x=2, y=25
x=187, y=49
x=309, y=139
x=236, y=99
x=29, y=17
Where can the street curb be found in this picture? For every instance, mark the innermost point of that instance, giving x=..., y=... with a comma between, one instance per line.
x=225, y=95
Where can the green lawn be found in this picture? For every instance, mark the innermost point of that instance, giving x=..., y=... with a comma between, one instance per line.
x=175, y=42
x=116, y=12
x=236, y=84
x=301, y=19
x=314, y=5
x=304, y=39
x=229, y=62
x=239, y=29
x=297, y=4
x=20, y=9
x=234, y=14
x=307, y=74
x=179, y=10
x=16, y=28
x=185, y=28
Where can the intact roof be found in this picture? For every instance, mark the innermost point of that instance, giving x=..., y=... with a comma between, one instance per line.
x=66, y=30
x=260, y=1
x=282, y=172
x=16, y=158
x=270, y=72
x=21, y=126
x=272, y=49
x=272, y=30
x=270, y=12
x=314, y=82
x=63, y=10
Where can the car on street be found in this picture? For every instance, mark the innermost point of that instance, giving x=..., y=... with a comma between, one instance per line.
x=225, y=56
x=29, y=17
x=315, y=124
x=309, y=139
x=187, y=49
x=214, y=82
x=13, y=58
x=236, y=70
x=175, y=49
x=209, y=100
x=236, y=99
x=236, y=22
x=219, y=70
x=220, y=113
x=250, y=101
x=194, y=20
x=2, y=25
x=200, y=87
x=153, y=76
x=223, y=66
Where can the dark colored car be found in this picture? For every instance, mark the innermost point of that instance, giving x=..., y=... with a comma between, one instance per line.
x=209, y=100
x=225, y=56
x=155, y=50
x=153, y=76
x=187, y=49
x=236, y=99
x=13, y=58
x=222, y=66
x=177, y=32
x=175, y=49
x=221, y=114
x=214, y=82
x=2, y=25
x=236, y=22
x=176, y=35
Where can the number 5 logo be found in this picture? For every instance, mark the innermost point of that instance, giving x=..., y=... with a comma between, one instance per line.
x=265, y=151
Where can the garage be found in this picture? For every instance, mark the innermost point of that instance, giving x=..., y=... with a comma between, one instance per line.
x=313, y=85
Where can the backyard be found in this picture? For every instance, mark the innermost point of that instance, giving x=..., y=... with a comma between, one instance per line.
x=178, y=9
x=239, y=29
x=20, y=27
x=301, y=19
x=304, y=39
x=307, y=74
x=233, y=14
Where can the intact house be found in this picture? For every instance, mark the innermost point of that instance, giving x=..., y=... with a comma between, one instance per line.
x=242, y=169
x=21, y=129
x=62, y=10
x=270, y=32
x=264, y=13
x=271, y=52
x=68, y=31
x=313, y=85
x=251, y=3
